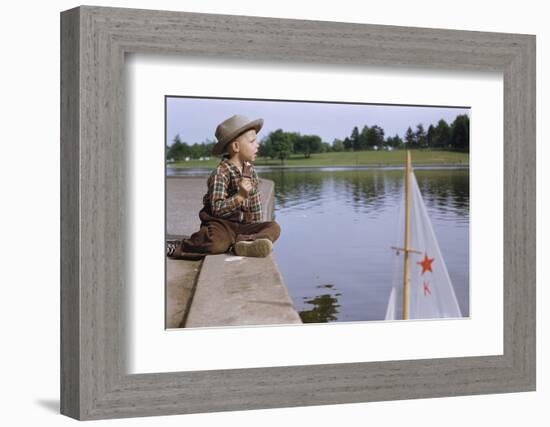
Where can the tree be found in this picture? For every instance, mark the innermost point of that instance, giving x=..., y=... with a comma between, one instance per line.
x=307, y=144
x=265, y=148
x=394, y=142
x=198, y=150
x=178, y=150
x=348, y=145
x=364, y=138
x=430, y=135
x=442, y=135
x=355, y=139
x=208, y=147
x=338, y=145
x=325, y=147
x=410, y=138
x=281, y=144
x=420, y=136
x=375, y=136
x=460, y=133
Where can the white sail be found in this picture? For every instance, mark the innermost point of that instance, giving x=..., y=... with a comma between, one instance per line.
x=430, y=291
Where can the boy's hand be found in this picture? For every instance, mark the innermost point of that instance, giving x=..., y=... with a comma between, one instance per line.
x=245, y=187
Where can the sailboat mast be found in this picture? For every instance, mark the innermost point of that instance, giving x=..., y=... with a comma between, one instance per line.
x=406, y=246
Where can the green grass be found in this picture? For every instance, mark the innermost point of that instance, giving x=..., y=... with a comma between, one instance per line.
x=359, y=158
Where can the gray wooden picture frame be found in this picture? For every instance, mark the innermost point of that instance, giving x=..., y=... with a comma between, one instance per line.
x=94, y=41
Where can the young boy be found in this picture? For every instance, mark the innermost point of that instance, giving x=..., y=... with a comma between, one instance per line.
x=232, y=212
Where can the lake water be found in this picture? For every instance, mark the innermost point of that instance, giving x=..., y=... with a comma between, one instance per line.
x=338, y=225
x=337, y=229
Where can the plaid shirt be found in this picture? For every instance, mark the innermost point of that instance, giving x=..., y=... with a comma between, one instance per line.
x=223, y=186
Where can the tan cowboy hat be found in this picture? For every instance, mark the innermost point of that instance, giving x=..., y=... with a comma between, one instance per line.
x=231, y=128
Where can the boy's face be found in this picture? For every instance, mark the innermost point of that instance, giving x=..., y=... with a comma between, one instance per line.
x=247, y=146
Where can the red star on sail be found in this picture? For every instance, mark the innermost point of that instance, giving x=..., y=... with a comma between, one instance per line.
x=426, y=264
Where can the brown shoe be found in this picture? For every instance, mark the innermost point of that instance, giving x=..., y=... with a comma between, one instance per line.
x=255, y=248
x=174, y=250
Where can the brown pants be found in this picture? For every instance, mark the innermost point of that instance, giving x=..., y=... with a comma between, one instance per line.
x=217, y=235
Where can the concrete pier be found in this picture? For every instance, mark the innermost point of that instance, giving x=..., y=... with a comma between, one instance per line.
x=236, y=291
x=181, y=279
x=222, y=290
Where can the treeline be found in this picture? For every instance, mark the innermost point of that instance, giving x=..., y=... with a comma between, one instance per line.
x=180, y=150
x=454, y=136
x=281, y=145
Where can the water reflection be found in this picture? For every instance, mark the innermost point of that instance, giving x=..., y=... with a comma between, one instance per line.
x=325, y=307
x=443, y=191
x=370, y=191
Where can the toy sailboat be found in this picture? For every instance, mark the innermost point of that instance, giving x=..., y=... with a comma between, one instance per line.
x=422, y=288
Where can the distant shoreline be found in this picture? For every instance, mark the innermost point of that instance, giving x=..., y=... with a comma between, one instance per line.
x=195, y=171
x=358, y=159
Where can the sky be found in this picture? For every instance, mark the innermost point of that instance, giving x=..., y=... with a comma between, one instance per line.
x=196, y=119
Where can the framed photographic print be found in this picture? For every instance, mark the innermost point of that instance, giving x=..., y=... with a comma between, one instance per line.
x=332, y=110
x=334, y=203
